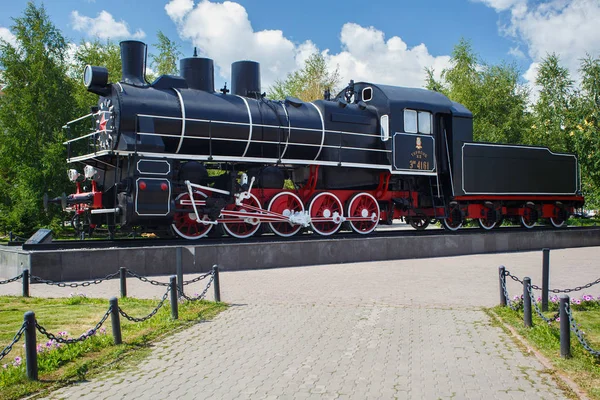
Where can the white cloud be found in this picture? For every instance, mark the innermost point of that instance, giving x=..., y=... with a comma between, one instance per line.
x=7, y=36
x=501, y=5
x=104, y=26
x=516, y=52
x=177, y=9
x=223, y=32
x=568, y=28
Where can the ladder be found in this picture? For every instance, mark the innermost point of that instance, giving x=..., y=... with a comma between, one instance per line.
x=438, y=199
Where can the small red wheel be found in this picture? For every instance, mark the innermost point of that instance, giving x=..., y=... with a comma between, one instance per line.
x=286, y=204
x=185, y=223
x=455, y=219
x=241, y=227
x=489, y=220
x=326, y=213
x=365, y=207
x=529, y=217
x=560, y=217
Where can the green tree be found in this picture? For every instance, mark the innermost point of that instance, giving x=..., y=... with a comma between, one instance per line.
x=551, y=111
x=491, y=92
x=585, y=129
x=38, y=99
x=165, y=62
x=308, y=83
x=99, y=54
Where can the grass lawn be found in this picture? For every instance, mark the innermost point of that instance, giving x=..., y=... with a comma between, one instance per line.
x=59, y=365
x=582, y=368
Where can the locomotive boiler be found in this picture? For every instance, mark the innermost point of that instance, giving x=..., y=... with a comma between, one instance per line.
x=178, y=154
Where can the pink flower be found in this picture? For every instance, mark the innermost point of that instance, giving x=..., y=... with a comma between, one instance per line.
x=557, y=319
x=17, y=361
x=576, y=301
x=5, y=366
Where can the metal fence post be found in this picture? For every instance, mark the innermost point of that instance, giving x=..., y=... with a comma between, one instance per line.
x=565, y=329
x=179, y=269
x=502, y=276
x=527, y=317
x=30, y=346
x=25, y=283
x=174, y=297
x=545, y=278
x=123, y=279
x=115, y=320
x=216, y=283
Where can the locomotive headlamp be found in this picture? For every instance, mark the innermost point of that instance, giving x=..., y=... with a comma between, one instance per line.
x=73, y=175
x=95, y=77
x=89, y=171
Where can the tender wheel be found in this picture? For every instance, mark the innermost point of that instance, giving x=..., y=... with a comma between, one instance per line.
x=185, y=223
x=488, y=221
x=286, y=204
x=242, y=228
x=326, y=212
x=454, y=221
x=560, y=217
x=364, y=206
x=529, y=217
x=419, y=222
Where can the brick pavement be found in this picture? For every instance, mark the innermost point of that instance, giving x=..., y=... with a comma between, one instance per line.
x=406, y=329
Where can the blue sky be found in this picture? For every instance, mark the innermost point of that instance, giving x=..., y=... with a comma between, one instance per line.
x=383, y=41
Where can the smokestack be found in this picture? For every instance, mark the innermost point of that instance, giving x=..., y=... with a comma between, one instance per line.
x=245, y=78
x=133, y=57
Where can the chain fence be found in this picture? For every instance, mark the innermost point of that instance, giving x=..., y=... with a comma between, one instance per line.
x=201, y=295
x=509, y=302
x=16, y=278
x=199, y=278
x=147, y=317
x=579, y=334
x=575, y=289
x=81, y=338
x=537, y=308
x=573, y=325
x=144, y=279
x=16, y=338
x=74, y=285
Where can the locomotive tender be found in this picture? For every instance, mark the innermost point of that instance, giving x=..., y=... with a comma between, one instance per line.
x=177, y=153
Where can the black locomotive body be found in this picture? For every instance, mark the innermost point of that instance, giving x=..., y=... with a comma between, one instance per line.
x=177, y=154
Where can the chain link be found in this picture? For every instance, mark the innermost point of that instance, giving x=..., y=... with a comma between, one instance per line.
x=144, y=279
x=185, y=283
x=74, y=285
x=81, y=338
x=575, y=289
x=16, y=278
x=510, y=303
x=147, y=317
x=579, y=334
x=203, y=294
x=537, y=308
x=17, y=337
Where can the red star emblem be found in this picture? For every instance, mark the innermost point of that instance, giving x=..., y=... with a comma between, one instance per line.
x=103, y=121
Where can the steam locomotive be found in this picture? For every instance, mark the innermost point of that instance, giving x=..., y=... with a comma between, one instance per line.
x=177, y=154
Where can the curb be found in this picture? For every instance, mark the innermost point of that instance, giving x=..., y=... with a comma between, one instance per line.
x=580, y=393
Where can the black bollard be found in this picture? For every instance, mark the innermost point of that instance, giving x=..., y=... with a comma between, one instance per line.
x=174, y=297
x=30, y=346
x=25, y=283
x=115, y=319
x=502, y=276
x=545, y=278
x=123, y=278
x=527, y=317
x=565, y=328
x=179, y=269
x=216, y=283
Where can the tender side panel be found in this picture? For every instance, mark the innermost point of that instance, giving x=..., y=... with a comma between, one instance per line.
x=511, y=170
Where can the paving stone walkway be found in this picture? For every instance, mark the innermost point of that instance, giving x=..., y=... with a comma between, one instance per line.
x=411, y=329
